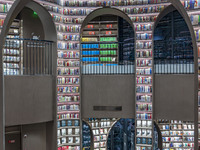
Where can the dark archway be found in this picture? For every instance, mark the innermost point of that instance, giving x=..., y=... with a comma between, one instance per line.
x=106, y=11
x=173, y=49
x=122, y=135
x=107, y=43
x=49, y=34
x=86, y=136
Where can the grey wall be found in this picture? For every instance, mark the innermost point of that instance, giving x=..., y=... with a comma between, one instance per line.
x=28, y=99
x=36, y=137
x=174, y=97
x=108, y=90
x=31, y=23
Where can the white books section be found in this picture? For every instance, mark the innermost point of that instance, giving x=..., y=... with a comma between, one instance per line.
x=100, y=130
x=177, y=134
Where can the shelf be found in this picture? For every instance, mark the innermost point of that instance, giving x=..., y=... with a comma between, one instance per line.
x=145, y=112
x=68, y=75
x=145, y=5
x=137, y=102
x=102, y=29
x=67, y=103
x=69, y=119
x=68, y=136
x=103, y=22
x=137, y=127
x=100, y=42
x=144, y=145
x=143, y=136
x=68, y=111
x=90, y=29
x=58, y=58
x=68, y=84
x=69, y=144
x=66, y=127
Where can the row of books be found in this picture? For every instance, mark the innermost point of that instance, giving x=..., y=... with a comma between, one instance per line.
x=69, y=148
x=71, y=11
x=68, y=54
x=144, y=54
x=68, y=71
x=5, y=7
x=144, y=107
x=195, y=19
x=66, y=46
x=1, y=22
x=191, y=4
x=66, y=107
x=143, y=27
x=69, y=140
x=68, y=116
x=68, y=89
x=66, y=20
x=144, y=62
x=144, y=36
x=94, y=3
x=68, y=63
x=77, y=21
x=68, y=37
x=139, y=10
x=144, y=80
x=68, y=98
x=144, y=45
x=68, y=28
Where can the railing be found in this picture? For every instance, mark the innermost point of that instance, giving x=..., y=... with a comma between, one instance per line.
x=174, y=66
x=27, y=57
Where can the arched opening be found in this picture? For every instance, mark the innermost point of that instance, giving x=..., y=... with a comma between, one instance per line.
x=95, y=132
x=173, y=47
x=122, y=135
x=107, y=43
x=26, y=57
x=175, y=54
x=116, y=134
x=173, y=51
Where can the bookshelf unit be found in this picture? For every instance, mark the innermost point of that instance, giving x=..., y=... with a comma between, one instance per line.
x=177, y=134
x=13, y=56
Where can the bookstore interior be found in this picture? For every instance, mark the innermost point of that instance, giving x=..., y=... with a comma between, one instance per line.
x=100, y=46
